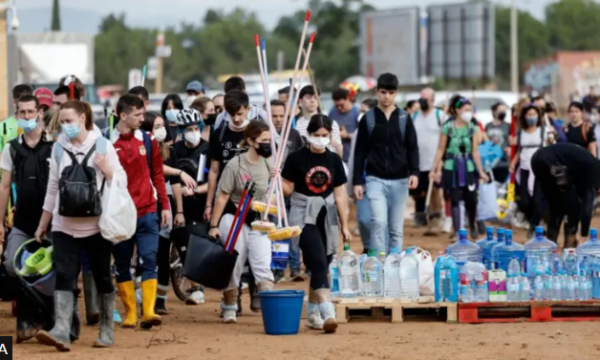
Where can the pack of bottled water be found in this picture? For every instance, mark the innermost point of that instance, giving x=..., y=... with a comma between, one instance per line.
x=473, y=283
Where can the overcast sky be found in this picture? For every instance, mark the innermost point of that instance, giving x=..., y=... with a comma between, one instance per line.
x=172, y=12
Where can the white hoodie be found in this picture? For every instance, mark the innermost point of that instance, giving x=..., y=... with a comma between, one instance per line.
x=78, y=227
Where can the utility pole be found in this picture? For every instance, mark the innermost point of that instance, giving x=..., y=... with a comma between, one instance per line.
x=514, y=49
x=158, y=82
x=4, y=96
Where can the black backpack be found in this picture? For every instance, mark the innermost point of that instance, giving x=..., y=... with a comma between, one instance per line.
x=190, y=165
x=78, y=190
x=31, y=168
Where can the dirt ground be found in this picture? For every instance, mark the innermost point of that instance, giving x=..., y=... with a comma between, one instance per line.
x=195, y=332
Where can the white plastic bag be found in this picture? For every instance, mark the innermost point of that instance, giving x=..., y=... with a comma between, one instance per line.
x=119, y=215
x=426, y=281
x=487, y=205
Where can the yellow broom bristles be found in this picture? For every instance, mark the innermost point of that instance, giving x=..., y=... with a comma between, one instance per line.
x=280, y=234
x=296, y=231
x=263, y=226
x=261, y=207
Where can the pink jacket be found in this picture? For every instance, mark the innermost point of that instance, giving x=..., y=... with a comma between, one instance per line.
x=78, y=227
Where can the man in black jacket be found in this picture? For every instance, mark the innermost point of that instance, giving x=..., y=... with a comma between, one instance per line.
x=569, y=177
x=387, y=145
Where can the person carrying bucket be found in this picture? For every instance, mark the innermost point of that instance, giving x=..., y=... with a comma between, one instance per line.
x=83, y=157
x=314, y=176
x=23, y=159
x=252, y=245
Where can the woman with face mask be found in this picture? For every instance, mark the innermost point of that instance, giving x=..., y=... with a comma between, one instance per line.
x=155, y=125
x=458, y=156
x=170, y=108
x=80, y=142
x=314, y=176
x=532, y=136
x=254, y=165
x=579, y=131
x=206, y=108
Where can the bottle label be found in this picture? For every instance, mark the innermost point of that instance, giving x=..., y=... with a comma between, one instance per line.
x=348, y=270
x=371, y=276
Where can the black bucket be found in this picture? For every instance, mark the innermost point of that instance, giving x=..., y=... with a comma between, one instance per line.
x=208, y=263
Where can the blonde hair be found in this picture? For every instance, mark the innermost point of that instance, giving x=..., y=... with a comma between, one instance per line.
x=53, y=126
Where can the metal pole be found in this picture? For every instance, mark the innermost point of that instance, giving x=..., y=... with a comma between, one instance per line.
x=4, y=83
x=514, y=49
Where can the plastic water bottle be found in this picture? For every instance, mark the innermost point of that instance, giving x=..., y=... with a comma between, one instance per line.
x=556, y=287
x=409, y=275
x=391, y=274
x=487, y=250
x=548, y=282
x=564, y=284
x=538, y=287
x=334, y=275
x=584, y=287
x=481, y=283
x=372, y=275
x=540, y=253
x=489, y=237
x=524, y=288
x=446, y=279
x=349, y=276
x=467, y=291
x=463, y=250
x=572, y=284
x=590, y=247
x=503, y=254
x=512, y=281
x=570, y=262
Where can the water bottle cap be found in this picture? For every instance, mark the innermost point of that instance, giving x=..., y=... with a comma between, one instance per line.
x=346, y=247
x=382, y=253
x=373, y=253
x=594, y=233
x=462, y=234
x=539, y=231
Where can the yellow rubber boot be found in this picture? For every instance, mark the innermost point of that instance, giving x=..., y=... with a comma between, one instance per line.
x=127, y=295
x=150, y=319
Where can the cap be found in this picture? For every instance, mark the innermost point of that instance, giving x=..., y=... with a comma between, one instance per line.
x=195, y=86
x=44, y=96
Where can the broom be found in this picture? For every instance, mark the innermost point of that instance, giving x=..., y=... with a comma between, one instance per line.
x=510, y=191
x=237, y=211
x=287, y=232
x=239, y=222
x=9, y=208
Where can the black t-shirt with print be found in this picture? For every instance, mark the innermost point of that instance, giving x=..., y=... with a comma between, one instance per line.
x=575, y=134
x=193, y=206
x=225, y=145
x=314, y=174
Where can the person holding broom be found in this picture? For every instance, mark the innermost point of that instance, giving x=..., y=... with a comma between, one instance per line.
x=253, y=165
x=314, y=176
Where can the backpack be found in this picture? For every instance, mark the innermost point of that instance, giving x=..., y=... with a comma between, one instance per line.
x=437, y=116
x=190, y=165
x=79, y=196
x=585, y=128
x=402, y=119
x=31, y=169
x=450, y=135
x=542, y=131
x=147, y=144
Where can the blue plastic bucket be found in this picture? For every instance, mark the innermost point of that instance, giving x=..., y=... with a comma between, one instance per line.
x=281, y=311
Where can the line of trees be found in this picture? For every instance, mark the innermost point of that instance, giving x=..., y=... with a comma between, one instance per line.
x=224, y=42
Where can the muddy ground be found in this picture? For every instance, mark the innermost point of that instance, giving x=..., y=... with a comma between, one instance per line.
x=195, y=332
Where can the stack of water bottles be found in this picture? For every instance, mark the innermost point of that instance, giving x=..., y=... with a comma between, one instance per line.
x=473, y=279
x=375, y=275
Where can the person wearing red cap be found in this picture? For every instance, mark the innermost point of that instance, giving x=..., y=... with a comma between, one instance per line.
x=44, y=96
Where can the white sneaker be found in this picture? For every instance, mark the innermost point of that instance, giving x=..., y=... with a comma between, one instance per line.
x=195, y=298
x=328, y=313
x=229, y=317
x=313, y=317
x=447, y=228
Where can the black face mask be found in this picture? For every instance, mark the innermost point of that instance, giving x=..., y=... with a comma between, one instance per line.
x=211, y=119
x=501, y=116
x=424, y=104
x=264, y=150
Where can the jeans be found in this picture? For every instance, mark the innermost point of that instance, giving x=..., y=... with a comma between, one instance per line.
x=388, y=203
x=146, y=241
x=363, y=217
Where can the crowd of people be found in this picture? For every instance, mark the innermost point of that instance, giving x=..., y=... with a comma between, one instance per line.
x=186, y=169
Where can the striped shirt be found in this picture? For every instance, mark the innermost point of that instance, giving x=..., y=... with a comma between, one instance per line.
x=302, y=124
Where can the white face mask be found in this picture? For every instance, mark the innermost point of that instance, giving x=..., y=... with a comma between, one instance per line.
x=467, y=116
x=318, y=142
x=192, y=137
x=594, y=118
x=160, y=134
x=190, y=99
x=241, y=126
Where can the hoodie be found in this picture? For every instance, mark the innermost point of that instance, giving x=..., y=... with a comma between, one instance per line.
x=143, y=184
x=254, y=113
x=78, y=227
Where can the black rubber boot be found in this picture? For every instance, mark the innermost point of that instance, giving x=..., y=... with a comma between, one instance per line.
x=90, y=296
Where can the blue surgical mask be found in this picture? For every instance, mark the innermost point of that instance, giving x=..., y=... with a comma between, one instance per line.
x=27, y=125
x=71, y=130
x=532, y=120
x=172, y=115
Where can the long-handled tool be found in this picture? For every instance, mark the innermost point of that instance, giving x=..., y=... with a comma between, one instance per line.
x=9, y=208
x=237, y=211
x=510, y=193
x=311, y=76
x=239, y=222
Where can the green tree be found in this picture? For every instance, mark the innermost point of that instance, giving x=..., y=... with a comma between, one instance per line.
x=55, y=16
x=532, y=42
x=573, y=24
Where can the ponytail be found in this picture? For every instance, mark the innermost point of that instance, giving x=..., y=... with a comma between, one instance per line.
x=81, y=107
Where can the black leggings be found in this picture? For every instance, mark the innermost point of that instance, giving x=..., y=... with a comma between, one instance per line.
x=531, y=206
x=67, y=260
x=457, y=195
x=313, y=243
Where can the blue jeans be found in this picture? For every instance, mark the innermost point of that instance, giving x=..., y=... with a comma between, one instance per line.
x=388, y=202
x=146, y=241
x=363, y=217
